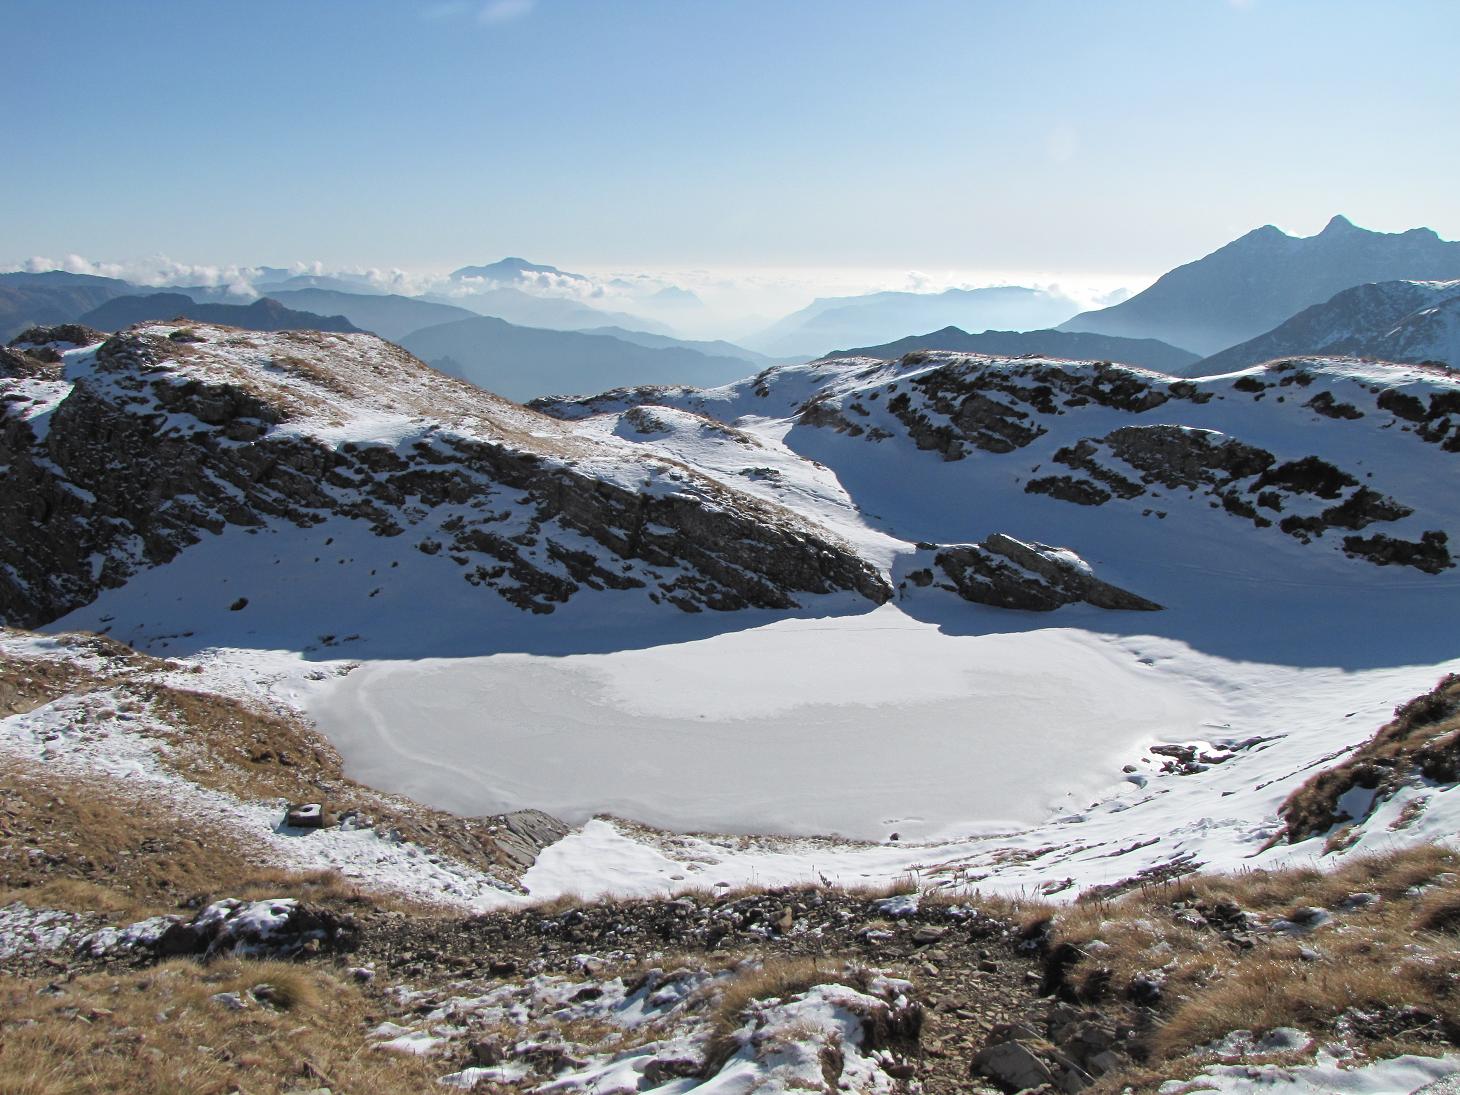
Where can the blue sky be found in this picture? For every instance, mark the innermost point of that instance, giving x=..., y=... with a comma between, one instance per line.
x=1073, y=135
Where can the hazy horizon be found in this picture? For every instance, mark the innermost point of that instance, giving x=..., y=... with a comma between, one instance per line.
x=1103, y=143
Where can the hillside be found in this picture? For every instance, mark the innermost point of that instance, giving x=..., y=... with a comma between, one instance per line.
x=263, y=314
x=1409, y=321
x=1148, y=353
x=1262, y=279
x=528, y=362
x=261, y=439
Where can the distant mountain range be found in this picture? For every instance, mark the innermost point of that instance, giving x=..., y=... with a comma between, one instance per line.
x=1405, y=321
x=878, y=317
x=1148, y=353
x=714, y=347
x=554, y=313
x=511, y=269
x=388, y=315
x=52, y=297
x=524, y=363
x=1260, y=280
x=263, y=314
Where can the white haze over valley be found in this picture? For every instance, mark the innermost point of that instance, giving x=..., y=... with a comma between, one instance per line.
x=733, y=301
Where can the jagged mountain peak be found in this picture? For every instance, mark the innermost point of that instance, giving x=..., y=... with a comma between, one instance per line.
x=1254, y=283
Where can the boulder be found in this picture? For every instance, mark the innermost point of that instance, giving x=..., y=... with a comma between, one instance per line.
x=1012, y=1065
x=1010, y=573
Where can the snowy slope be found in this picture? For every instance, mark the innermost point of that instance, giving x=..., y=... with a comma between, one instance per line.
x=154, y=443
x=1412, y=321
x=1293, y=521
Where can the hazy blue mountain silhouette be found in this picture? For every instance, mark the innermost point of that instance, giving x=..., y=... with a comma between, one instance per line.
x=713, y=347
x=389, y=315
x=51, y=297
x=673, y=296
x=1149, y=353
x=511, y=269
x=263, y=314
x=1403, y=321
x=524, y=363
x=338, y=283
x=1256, y=282
x=554, y=313
x=878, y=317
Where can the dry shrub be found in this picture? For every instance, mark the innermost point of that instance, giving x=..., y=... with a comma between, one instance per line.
x=1373, y=961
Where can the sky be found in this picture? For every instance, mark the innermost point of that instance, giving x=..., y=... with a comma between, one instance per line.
x=1101, y=141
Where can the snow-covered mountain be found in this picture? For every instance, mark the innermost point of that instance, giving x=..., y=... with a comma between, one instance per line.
x=1148, y=353
x=1410, y=321
x=1260, y=280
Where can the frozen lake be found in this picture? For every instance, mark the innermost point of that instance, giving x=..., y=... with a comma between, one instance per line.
x=857, y=726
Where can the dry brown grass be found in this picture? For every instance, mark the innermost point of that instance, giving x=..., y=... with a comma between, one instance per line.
x=1393, y=959
x=776, y=978
x=158, y=1031
x=105, y=851
x=1423, y=739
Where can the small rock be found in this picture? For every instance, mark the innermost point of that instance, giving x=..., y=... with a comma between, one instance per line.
x=1011, y=1064
x=305, y=815
x=231, y=1000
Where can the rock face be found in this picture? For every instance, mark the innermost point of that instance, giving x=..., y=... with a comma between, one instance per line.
x=1010, y=573
x=1297, y=450
x=1413, y=321
x=165, y=435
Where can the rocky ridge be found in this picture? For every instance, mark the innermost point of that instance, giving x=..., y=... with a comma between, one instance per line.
x=1095, y=433
x=163, y=435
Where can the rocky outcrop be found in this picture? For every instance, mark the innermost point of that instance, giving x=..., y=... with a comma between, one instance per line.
x=1246, y=481
x=36, y=352
x=995, y=406
x=161, y=443
x=1009, y=573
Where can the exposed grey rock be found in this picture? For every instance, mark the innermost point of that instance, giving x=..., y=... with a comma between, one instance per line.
x=116, y=484
x=1012, y=1065
x=1010, y=573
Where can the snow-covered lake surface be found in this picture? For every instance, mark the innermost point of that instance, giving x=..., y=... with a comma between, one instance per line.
x=859, y=726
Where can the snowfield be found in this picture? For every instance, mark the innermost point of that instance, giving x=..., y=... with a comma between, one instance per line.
x=1005, y=749
x=857, y=726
